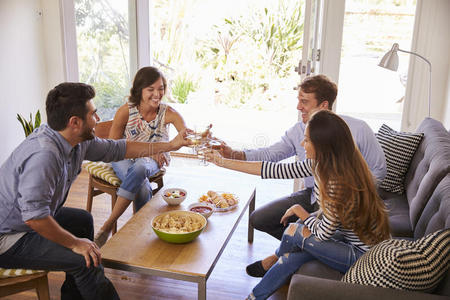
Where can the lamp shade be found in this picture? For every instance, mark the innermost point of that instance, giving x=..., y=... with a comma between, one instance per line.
x=390, y=59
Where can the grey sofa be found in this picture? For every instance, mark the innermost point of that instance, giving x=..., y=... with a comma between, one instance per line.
x=424, y=208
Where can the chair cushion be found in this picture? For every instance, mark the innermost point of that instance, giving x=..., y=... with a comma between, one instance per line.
x=6, y=273
x=399, y=148
x=404, y=264
x=103, y=171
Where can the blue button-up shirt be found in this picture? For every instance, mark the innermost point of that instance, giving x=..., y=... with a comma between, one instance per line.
x=290, y=145
x=36, y=177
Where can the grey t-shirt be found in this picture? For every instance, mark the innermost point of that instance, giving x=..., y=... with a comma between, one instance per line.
x=36, y=177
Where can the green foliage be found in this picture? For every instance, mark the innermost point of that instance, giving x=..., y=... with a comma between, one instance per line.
x=103, y=51
x=234, y=56
x=28, y=125
x=278, y=31
x=181, y=87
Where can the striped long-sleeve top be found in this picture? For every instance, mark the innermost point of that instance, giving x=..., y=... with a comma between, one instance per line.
x=325, y=227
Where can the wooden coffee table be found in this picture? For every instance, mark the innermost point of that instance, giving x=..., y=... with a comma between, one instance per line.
x=136, y=247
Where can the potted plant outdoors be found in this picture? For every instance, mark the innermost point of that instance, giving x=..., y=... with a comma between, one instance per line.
x=29, y=126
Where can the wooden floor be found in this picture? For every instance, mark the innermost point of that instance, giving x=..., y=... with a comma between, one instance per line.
x=228, y=279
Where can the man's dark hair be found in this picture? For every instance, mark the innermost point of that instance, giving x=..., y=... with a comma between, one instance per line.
x=66, y=100
x=323, y=88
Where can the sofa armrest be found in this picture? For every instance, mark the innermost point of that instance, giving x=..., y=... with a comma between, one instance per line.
x=313, y=288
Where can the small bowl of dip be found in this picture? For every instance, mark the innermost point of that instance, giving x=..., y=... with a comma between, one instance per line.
x=205, y=209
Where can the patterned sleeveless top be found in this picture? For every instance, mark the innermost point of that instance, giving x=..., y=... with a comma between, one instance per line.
x=139, y=130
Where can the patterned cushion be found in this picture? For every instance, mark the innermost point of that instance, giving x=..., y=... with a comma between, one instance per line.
x=404, y=264
x=399, y=148
x=103, y=171
x=5, y=273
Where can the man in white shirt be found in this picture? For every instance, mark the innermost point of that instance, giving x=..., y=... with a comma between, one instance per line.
x=315, y=92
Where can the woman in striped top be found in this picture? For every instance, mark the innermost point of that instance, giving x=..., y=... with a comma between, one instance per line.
x=352, y=217
x=145, y=119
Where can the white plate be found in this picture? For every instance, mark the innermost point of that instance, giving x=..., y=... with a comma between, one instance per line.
x=219, y=208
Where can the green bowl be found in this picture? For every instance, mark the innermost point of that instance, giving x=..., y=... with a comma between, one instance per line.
x=179, y=238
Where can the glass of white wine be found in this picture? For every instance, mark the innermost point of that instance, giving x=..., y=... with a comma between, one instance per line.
x=201, y=150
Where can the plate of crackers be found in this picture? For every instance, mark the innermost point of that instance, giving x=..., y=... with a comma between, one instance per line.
x=222, y=201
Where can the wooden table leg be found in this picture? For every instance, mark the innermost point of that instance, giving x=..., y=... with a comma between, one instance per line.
x=202, y=289
x=251, y=208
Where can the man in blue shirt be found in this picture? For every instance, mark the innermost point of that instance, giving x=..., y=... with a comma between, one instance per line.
x=315, y=92
x=36, y=231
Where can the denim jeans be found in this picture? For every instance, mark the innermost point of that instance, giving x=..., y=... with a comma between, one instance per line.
x=33, y=251
x=267, y=218
x=134, y=174
x=295, y=250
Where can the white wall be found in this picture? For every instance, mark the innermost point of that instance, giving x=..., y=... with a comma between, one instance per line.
x=22, y=74
x=31, y=63
x=53, y=43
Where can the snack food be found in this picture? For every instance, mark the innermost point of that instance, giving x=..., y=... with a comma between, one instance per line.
x=175, y=223
x=174, y=194
x=221, y=200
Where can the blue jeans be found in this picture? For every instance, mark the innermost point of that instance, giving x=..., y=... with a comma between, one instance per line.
x=295, y=250
x=267, y=217
x=134, y=174
x=33, y=251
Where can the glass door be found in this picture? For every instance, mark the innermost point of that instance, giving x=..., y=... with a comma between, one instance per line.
x=309, y=64
x=367, y=91
x=231, y=63
x=103, y=48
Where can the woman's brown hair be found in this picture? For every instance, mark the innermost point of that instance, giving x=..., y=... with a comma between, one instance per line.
x=347, y=187
x=145, y=77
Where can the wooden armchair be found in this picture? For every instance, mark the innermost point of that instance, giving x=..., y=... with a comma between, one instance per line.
x=21, y=280
x=110, y=183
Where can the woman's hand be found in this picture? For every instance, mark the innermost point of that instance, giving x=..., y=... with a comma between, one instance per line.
x=161, y=159
x=293, y=210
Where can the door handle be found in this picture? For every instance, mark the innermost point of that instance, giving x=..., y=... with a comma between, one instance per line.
x=304, y=69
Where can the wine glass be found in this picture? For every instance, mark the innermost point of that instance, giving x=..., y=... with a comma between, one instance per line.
x=201, y=150
x=199, y=136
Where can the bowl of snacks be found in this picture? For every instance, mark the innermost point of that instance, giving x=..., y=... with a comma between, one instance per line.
x=203, y=208
x=174, y=196
x=178, y=226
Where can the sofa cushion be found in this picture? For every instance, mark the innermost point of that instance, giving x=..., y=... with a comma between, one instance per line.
x=436, y=214
x=429, y=166
x=316, y=268
x=399, y=148
x=398, y=210
x=403, y=264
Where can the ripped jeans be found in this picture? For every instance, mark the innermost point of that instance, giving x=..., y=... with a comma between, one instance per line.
x=295, y=250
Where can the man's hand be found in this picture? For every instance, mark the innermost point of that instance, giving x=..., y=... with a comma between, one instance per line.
x=89, y=250
x=161, y=159
x=227, y=152
x=180, y=140
x=51, y=230
x=215, y=157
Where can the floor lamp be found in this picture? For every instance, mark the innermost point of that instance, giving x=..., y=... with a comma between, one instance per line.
x=390, y=62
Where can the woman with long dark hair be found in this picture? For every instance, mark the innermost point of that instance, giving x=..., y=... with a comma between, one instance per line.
x=352, y=217
x=142, y=118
